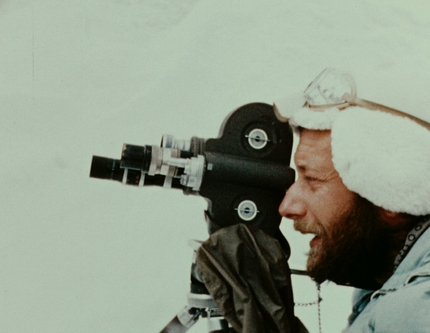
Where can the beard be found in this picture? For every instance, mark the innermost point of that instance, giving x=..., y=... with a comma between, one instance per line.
x=355, y=252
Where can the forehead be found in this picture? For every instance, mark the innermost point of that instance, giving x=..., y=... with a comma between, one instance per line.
x=314, y=151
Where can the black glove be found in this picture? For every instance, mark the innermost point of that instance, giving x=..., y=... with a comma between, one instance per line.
x=247, y=275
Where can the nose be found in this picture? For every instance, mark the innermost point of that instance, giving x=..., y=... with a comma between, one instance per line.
x=292, y=206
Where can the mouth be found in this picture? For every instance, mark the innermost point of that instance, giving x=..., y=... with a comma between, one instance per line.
x=316, y=241
x=308, y=231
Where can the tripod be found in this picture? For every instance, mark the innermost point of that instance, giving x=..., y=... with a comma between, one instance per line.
x=200, y=304
x=189, y=315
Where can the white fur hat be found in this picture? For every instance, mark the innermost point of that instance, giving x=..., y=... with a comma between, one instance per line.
x=385, y=158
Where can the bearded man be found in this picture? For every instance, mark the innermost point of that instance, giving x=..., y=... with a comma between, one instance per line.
x=362, y=190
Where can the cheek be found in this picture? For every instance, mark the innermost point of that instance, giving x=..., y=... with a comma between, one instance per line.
x=343, y=199
x=331, y=205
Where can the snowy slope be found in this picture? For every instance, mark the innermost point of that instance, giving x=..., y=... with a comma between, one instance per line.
x=82, y=78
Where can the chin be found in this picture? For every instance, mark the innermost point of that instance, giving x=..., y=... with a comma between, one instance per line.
x=313, y=259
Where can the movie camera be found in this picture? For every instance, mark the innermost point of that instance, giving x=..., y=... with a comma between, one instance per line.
x=243, y=174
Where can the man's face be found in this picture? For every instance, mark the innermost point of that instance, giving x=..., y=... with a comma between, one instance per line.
x=346, y=227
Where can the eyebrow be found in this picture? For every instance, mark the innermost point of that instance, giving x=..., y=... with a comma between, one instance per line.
x=305, y=167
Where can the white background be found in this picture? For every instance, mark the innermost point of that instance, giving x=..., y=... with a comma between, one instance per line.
x=80, y=78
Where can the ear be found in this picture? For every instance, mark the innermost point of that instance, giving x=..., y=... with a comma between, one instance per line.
x=392, y=218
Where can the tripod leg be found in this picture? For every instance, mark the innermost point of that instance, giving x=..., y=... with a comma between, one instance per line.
x=174, y=326
x=183, y=321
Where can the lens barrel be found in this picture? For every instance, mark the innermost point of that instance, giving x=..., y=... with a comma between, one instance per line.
x=136, y=157
x=106, y=168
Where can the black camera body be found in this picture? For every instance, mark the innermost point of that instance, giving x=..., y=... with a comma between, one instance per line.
x=243, y=174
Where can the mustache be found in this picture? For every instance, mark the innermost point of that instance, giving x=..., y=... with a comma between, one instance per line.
x=308, y=227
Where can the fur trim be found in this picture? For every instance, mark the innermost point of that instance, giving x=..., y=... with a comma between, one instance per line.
x=382, y=157
x=314, y=119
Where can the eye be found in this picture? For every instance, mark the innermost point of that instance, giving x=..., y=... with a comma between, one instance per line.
x=310, y=179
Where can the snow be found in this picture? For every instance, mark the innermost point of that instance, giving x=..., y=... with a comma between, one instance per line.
x=82, y=78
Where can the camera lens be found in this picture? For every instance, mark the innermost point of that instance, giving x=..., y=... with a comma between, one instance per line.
x=106, y=168
x=136, y=157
